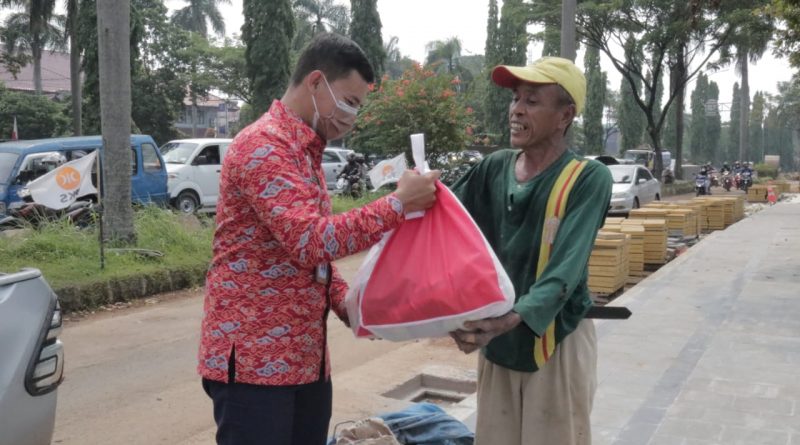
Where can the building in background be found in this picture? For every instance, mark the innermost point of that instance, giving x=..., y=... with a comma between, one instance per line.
x=55, y=76
x=215, y=117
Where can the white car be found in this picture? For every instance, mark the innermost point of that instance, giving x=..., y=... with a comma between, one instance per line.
x=193, y=168
x=633, y=187
x=333, y=161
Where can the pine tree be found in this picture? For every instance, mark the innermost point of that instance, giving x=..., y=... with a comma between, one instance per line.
x=733, y=126
x=697, y=128
x=631, y=119
x=714, y=125
x=595, y=99
x=267, y=33
x=365, y=30
x=512, y=42
x=552, y=39
x=492, y=41
x=756, y=151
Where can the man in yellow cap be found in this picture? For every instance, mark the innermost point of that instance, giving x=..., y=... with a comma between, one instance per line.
x=540, y=206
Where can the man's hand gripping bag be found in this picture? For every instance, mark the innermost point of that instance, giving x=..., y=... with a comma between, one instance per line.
x=428, y=277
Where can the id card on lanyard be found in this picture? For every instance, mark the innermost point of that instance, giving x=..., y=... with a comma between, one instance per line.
x=322, y=273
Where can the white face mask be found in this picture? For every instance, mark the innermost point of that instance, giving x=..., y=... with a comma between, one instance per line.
x=341, y=123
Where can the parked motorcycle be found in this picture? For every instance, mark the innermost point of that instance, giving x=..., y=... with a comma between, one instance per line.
x=31, y=214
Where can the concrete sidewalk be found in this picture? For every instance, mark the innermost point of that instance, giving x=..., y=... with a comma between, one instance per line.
x=712, y=352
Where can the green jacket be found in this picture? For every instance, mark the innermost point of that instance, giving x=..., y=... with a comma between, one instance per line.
x=511, y=216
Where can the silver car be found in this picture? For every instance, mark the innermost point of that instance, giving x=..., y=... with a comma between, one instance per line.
x=333, y=161
x=633, y=187
x=31, y=358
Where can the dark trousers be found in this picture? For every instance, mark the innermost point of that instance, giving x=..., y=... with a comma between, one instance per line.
x=271, y=415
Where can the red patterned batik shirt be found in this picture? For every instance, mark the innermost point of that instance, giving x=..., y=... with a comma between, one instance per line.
x=274, y=227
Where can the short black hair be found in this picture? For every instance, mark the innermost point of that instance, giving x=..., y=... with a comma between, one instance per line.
x=334, y=55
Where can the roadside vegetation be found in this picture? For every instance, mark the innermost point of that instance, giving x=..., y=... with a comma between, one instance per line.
x=69, y=256
x=342, y=204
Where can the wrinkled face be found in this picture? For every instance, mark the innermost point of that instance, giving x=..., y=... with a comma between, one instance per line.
x=336, y=120
x=538, y=114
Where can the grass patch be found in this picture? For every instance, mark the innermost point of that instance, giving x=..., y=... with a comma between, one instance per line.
x=342, y=204
x=69, y=256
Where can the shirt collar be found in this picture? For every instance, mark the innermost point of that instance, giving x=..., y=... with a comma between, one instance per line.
x=306, y=138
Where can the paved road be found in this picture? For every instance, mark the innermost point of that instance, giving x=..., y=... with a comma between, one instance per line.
x=130, y=374
x=712, y=352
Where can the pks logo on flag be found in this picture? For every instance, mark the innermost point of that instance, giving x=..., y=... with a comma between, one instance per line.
x=62, y=186
x=388, y=171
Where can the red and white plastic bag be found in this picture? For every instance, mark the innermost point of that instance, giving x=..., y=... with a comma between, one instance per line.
x=429, y=276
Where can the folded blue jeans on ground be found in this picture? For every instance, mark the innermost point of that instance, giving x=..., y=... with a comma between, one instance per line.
x=427, y=424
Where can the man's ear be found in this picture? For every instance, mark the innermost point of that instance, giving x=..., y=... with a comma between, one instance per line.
x=569, y=114
x=313, y=80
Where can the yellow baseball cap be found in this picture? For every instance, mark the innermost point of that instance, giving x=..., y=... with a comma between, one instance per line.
x=547, y=70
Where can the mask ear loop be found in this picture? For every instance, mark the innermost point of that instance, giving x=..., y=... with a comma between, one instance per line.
x=313, y=100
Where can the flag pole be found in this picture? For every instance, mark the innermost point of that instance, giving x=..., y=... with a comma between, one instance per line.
x=101, y=210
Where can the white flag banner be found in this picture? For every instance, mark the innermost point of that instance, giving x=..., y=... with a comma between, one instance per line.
x=388, y=171
x=62, y=186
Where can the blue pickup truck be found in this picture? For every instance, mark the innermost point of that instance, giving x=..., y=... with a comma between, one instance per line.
x=23, y=161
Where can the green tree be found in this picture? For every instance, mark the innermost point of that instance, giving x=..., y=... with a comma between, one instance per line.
x=195, y=17
x=396, y=63
x=198, y=14
x=365, y=29
x=511, y=41
x=757, y=128
x=444, y=53
x=35, y=29
x=267, y=34
x=159, y=69
x=37, y=116
x=660, y=28
x=733, y=125
x=631, y=119
x=787, y=42
x=421, y=101
x=788, y=109
x=228, y=67
x=697, y=128
x=595, y=101
x=323, y=16
x=316, y=16
x=714, y=124
x=752, y=32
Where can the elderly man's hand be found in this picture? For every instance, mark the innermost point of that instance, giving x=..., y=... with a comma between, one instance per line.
x=477, y=334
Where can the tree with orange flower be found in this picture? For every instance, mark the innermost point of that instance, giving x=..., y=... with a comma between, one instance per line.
x=420, y=101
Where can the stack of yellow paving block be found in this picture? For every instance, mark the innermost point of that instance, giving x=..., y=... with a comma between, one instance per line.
x=655, y=238
x=757, y=193
x=735, y=205
x=636, y=251
x=701, y=213
x=718, y=212
x=738, y=206
x=681, y=220
x=608, y=264
x=781, y=187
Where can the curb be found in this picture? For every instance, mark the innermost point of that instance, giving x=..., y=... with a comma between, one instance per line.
x=92, y=295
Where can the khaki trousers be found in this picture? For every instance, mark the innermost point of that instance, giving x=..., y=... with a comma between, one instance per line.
x=551, y=406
